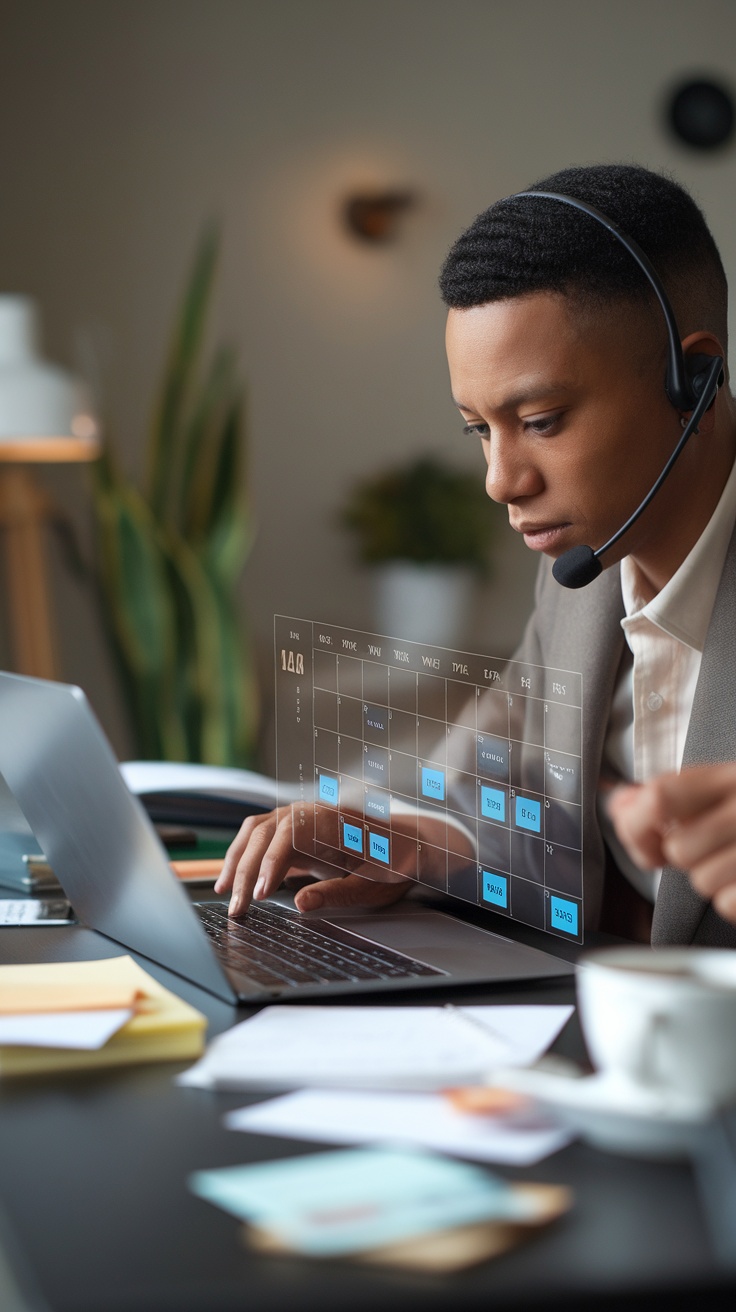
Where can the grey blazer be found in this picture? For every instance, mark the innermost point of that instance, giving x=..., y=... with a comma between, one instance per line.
x=581, y=630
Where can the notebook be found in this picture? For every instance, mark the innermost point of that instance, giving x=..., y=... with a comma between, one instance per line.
x=102, y=847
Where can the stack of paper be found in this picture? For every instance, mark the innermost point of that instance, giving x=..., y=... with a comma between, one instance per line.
x=372, y=1074
x=72, y=1015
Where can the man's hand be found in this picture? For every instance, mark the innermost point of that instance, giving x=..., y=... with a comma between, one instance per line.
x=263, y=854
x=685, y=820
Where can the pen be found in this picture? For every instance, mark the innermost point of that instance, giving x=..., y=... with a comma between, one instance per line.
x=478, y=1026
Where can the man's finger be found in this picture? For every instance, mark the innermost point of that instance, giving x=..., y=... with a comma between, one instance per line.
x=715, y=873
x=682, y=796
x=690, y=842
x=640, y=824
x=724, y=902
x=351, y=891
x=263, y=864
x=249, y=827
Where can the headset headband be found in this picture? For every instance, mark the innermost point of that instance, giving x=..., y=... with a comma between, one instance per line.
x=682, y=391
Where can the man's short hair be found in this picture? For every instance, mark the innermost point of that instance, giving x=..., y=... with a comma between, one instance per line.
x=521, y=245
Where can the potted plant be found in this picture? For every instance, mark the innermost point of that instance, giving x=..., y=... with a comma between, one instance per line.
x=427, y=529
x=171, y=549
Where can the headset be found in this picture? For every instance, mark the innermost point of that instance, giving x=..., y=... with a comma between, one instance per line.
x=691, y=383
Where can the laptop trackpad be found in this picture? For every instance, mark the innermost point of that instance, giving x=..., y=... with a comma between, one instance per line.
x=452, y=945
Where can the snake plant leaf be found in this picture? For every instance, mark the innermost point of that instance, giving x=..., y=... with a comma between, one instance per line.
x=195, y=666
x=201, y=441
x=214, y=485
x=164, y=439
x=232, y=736
x=224, y=519
x=139, y=613
x=212, y=680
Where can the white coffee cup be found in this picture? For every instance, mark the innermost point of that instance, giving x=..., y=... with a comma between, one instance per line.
x=662, y=1023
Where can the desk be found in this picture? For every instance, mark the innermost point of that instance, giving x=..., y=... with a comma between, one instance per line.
x=93, y=1171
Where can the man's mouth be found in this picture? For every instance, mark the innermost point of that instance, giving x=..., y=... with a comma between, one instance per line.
x=542, y=537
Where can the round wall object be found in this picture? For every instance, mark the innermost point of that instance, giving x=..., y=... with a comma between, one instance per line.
x=701, y=113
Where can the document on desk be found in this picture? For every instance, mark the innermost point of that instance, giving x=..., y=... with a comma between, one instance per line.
x=407, y=1048
x=424, y=1119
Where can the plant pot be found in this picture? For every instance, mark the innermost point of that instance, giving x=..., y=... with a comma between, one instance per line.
x=425, y=603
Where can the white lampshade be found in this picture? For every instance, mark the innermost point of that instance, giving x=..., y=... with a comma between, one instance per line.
x=37, y=400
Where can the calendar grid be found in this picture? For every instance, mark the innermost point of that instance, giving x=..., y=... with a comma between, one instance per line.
x=454, y=769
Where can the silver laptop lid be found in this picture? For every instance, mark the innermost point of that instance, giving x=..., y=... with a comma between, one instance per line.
x=99, y=841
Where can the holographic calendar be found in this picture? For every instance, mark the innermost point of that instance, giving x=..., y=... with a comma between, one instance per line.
x=454, y=769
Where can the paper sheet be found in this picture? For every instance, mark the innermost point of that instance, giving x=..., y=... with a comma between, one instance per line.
x=376, y=1047
x=332, y=1116
x=69, y=1029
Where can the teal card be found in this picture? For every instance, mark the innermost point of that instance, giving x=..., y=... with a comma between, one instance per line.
x=330, y=1203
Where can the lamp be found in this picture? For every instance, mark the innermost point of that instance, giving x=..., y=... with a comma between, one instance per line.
x=43, y=420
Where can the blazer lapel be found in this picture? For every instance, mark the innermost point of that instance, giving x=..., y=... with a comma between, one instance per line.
x=680, y=915
x=582, y=631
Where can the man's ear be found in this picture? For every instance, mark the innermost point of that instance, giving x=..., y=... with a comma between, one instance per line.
x=699, y=350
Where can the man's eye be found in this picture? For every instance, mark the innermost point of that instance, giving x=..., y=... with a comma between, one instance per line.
x=544, y=424
x=476, y=430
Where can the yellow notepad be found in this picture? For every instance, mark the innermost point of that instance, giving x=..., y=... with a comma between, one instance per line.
x=70, y=986
x=164, y=1027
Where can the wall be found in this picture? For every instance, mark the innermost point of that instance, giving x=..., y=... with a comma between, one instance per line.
x=124, y=124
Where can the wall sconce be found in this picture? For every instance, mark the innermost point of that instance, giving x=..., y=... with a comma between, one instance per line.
x=375, y=216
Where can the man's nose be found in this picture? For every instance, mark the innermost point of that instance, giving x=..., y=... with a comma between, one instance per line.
x=510, y=474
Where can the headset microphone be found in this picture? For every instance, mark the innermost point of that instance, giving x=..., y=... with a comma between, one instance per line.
x=690, y=384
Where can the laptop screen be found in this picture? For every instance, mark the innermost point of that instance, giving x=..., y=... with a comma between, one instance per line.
x=457, y=770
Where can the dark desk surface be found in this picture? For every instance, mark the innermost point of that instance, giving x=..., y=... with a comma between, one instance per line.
x=93, y=1173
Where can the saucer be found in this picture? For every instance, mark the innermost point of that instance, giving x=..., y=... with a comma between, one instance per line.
x=616, y=1117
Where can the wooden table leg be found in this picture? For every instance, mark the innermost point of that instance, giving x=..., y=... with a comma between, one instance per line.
x=23, y=509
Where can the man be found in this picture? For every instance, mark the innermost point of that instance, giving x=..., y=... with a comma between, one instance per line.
x=557, y=351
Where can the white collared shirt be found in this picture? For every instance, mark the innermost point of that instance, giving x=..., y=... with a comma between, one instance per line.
x=655, y=688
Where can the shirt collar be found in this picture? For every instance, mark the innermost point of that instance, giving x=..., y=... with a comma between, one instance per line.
x=684, y=606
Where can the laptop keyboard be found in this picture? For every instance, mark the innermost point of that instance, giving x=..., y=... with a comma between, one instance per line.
x=275, y=947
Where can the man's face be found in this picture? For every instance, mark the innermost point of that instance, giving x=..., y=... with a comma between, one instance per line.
x=572, y=416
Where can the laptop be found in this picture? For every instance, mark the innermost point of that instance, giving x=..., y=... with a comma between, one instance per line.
x=95, y=834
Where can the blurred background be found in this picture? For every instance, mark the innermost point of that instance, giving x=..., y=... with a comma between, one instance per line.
x=127, y=125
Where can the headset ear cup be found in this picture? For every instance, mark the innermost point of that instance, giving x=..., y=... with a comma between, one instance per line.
x=697, y=368
x=696, y=376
